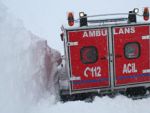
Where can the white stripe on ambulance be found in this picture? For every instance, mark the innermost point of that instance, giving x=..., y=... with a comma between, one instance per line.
x=146, y=37
x=146, y=71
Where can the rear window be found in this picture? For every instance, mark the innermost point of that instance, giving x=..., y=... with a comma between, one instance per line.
x=132, y=50
x=89, y=54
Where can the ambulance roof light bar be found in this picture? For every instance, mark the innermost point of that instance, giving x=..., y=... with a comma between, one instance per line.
x=108, y=20
x=136, y=10
x=131, y=17
x=70, y=19
x=81, y=14
x=83, y=19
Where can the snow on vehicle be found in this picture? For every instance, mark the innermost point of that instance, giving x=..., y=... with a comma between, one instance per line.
x=106, y=56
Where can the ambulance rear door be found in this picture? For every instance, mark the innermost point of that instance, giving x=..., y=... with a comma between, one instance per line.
x=131, y=54
x=88, y=59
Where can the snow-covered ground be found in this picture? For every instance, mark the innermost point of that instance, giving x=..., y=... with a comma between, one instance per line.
x=26, y=86
x=119, y=104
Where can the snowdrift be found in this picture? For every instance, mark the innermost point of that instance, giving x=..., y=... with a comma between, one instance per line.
x=27, y=66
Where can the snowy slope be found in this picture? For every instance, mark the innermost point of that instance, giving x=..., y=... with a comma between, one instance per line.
x=26, y=86
x=27, y=66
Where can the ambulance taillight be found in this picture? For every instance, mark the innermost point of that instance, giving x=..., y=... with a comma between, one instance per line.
x=62, y=36
x=146, y=14
x=70, y=19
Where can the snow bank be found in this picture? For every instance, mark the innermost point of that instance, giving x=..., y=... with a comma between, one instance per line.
x=27, y=66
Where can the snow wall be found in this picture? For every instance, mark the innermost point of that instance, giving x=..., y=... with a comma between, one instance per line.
x=27, y=66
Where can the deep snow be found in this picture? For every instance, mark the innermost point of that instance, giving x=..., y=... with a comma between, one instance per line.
x=25, y=87
x=27, y=66
x=119, y=104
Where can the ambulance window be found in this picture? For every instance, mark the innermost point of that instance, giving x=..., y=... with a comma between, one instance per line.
x=132, y=50
x=88, y=54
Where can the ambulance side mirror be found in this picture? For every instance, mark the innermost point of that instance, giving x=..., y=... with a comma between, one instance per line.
x=62, y=36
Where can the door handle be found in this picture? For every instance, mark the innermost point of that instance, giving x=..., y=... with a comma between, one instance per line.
x=118, y=56
x=103, y=58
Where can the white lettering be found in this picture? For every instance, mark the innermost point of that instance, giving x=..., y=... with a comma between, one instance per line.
x=129, y=68
x=93, y=71
x=127, y=30
x=114, y=31
x=95, y=33
x=124, y=30
x=121, y=31
x=132, y=29
x=85, y=71
x=92, y=34
x=98, y=33
x=85, y=34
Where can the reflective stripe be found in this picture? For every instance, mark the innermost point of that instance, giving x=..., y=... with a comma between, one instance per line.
x=75, y=78
x=146, y=37
x=90, y=81
x=146, y=71
x=133, y=76
x=72, y=43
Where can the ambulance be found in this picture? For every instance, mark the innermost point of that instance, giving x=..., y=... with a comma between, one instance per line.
x=106, y=56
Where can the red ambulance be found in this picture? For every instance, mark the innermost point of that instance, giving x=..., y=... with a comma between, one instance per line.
x=106, y=56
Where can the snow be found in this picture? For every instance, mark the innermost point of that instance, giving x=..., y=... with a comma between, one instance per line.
x=27, y=66
x=26, y=86
x=120, y=104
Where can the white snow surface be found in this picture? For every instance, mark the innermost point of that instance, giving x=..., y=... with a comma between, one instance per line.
x=26, y=85
x=27, y=66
